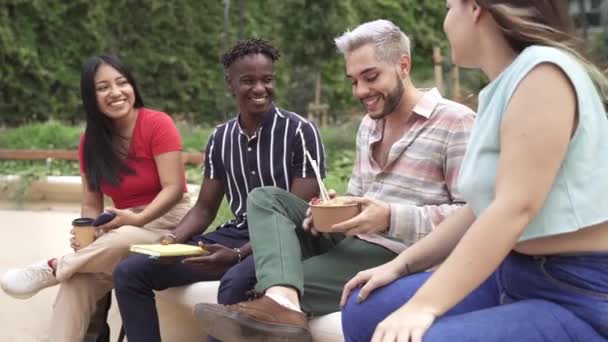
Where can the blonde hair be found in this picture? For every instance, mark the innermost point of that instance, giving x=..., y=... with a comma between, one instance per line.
x=389, y=41
x=542, y=22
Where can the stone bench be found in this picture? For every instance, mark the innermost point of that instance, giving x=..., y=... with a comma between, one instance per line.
x=176, y=303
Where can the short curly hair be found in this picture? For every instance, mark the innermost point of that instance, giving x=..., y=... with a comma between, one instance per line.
x=248, y=47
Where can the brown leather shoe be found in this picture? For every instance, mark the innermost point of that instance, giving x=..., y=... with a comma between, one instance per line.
x=260, y=320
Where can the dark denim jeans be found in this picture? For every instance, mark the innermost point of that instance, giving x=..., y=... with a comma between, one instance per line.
x=529, y=298
x=136, y=278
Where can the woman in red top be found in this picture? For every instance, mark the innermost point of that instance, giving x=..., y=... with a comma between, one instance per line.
x=130, y=154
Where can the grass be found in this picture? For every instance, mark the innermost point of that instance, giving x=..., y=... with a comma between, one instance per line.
x=44, y=135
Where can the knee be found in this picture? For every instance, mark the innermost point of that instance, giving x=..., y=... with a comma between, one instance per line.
x=120, y=275
x=234, y=286
x=265, y=195
x=231, y=291
x=75, y=285
x=80, y=293
x=351, y=310
x=355, y=319
x=127, y=271
x=259, y=193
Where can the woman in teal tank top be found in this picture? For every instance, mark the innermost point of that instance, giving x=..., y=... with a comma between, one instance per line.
x=527, y=258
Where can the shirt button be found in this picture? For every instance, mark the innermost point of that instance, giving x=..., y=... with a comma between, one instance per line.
x=253, y=172
x=249, y=149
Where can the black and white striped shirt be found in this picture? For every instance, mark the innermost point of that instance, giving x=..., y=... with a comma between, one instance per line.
x=273, y=156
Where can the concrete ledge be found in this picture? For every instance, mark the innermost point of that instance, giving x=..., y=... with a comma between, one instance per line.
x=52, y=188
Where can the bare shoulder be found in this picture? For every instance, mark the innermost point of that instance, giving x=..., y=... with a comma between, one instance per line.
x=546, y=80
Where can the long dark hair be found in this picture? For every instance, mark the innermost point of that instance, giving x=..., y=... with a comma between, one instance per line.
x=543, y=22
x=103, y=157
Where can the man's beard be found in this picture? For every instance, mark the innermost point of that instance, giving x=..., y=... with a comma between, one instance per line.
x=391, y=101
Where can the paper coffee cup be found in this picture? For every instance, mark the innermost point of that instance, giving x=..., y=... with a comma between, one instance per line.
x=84, y=231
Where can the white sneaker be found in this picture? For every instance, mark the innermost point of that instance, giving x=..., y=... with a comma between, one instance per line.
x=25, y=282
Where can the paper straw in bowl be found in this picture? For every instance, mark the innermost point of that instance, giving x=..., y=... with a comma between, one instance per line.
x=315, y=168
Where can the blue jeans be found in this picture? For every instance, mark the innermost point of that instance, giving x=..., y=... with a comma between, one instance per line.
x=136, y=278
x=540, y=298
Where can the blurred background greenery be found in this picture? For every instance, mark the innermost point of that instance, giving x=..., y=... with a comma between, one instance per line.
x=339, y=141
x=173, y=48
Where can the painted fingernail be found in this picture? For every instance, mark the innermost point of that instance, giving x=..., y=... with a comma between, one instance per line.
x=359, y=299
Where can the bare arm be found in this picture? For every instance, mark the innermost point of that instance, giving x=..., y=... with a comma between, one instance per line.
x=90, y=206
x=535, y=133
x=171, y=174
x=436, y=246
x=426, y=253
x=202, y=214
x=92, y=201
x=305, y=188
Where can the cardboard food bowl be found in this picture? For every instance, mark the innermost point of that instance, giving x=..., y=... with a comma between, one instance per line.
x=325, y=216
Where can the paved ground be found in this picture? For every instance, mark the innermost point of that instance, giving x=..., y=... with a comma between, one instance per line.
x=40, y=231
x=28, y=236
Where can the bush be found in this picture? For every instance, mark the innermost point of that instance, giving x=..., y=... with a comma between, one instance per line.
x=194, y=138
x=173, y=49
x=598, y=46
x=45, y=135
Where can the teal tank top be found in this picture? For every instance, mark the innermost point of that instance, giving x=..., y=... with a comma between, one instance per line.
x=579, y=195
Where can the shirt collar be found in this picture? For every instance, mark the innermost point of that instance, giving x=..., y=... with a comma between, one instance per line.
x=272, y=112
x=426, y=106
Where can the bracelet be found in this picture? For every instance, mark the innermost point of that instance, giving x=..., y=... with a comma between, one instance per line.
x=171, y=235
x=238, y=253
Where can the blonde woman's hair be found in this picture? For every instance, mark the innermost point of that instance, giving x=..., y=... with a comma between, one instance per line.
x=389, y=41
x=542, y=22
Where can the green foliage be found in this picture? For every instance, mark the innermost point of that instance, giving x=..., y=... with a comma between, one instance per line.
x=40, y=168
x=339, y=169
x=32, y=170
x=340, y=138
x=194, y=138
x=43, y=135
x=173, y=49
x=339, y=144
x=599, y=49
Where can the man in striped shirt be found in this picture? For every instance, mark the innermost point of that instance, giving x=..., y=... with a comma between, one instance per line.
x=262, y=146
x=409, y=150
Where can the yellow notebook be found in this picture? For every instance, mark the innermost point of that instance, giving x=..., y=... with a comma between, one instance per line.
x=176, y=249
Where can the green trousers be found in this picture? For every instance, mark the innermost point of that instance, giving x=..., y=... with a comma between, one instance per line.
x=286, y=255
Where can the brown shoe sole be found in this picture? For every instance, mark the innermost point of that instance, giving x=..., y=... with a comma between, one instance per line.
x=228, y=326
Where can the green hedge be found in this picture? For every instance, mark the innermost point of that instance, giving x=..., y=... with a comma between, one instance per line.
x=173, y=48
